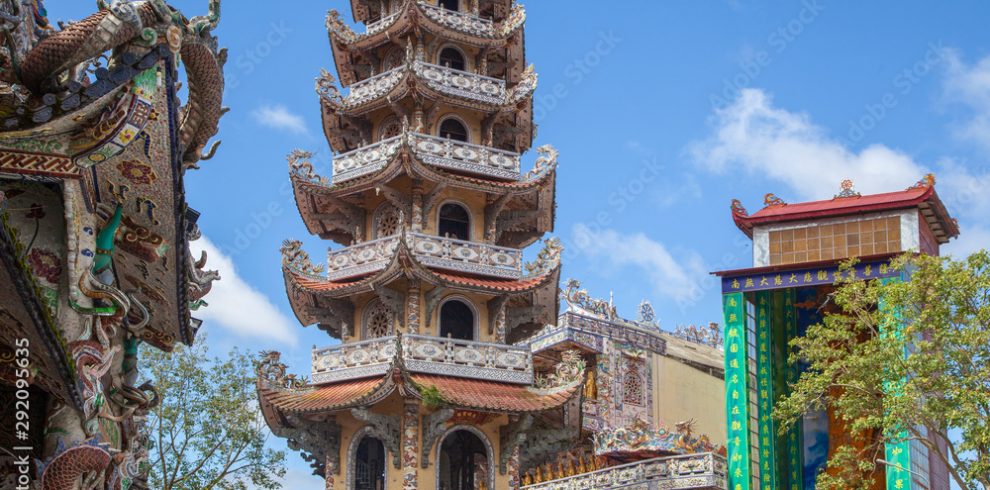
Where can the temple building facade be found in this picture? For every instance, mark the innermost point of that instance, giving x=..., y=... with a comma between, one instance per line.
x=797, y=251
x=95, y=229
x=426, y=288
x=649, y=412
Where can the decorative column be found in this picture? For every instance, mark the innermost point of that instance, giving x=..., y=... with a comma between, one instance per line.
x=897, y=454
x=514, y=481
x=410, y=445
x=417, y=207
x=412, y=308
x=795, y=436
x=765, y=391
x=737, y=391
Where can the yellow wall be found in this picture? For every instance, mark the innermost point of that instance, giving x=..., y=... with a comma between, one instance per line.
x=681, y=392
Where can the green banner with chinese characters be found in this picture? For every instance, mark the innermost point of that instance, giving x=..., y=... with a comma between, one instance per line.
x=736, y=391
x=795, y=437
x=765, y=392
x=897, y=454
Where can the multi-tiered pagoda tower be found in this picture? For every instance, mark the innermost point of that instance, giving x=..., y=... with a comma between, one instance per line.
x=426, y=288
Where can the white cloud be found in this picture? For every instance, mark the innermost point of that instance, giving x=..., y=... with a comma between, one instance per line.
x=280, y=117
x=677, y=277
x=970, y=85
x=753, y=135
x=236, y=306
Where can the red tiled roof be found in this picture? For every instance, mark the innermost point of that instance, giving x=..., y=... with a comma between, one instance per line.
x=326, y=397
x=492, y=396
x=844, y=206
x=506, y=285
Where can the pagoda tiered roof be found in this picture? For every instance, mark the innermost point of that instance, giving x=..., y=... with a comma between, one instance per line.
x=316, y=299
x=521, y=210
x=415, y=16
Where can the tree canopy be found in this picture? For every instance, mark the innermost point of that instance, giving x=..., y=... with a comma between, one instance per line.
x=902, y=360
x=207, y=433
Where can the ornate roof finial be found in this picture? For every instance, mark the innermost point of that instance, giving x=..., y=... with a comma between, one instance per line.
x=771, y=199
x=925, y=182
x=848, y=189
x=738, y=209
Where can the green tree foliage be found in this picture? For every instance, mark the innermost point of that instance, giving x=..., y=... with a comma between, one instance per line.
x=932, y=379
x=207, y=433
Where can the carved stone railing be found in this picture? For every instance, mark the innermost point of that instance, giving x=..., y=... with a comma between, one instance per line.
x=366, y=159
x=462, y=83
x=354, y=360
x=424, y=354
x=374, y=87
x=703, y=471
x=380, y=24
x=465, y=157
x=465, y=256
x=431, y=150
x=465, y=359
x=460, y=21
x=362, y=258
x=432, y=251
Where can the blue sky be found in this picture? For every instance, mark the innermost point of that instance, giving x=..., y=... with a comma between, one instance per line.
x=662, y=112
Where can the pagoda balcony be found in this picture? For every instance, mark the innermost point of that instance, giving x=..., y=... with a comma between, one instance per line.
x=431, y=150
x=430, y=250
x=425, y=355
x=702, y=471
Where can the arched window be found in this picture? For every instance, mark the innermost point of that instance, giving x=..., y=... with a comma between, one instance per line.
x=454, y=222
x=450, y=4
x=387, y=221
x=369, y=465
x=452, y=58
x=451, y=128
x=463, y=462
x=393, y=59
x=378, y=320
x=456, y=320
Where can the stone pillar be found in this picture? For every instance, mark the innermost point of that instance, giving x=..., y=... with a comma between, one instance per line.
x=412, y=308
x=514, y=476
x=410, y=445
x=417, y=207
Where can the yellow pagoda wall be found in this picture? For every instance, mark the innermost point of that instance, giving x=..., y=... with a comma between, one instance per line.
x=681, y=392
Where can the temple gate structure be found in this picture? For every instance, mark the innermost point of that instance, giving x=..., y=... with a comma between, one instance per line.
x=797, y=251
x=94, y=229
x=428, y=290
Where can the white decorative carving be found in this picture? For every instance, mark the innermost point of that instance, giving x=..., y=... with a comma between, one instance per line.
x=465, y=157
x=424, y=354
x=462, y=83
x=353, y=360
x=703, y=471
x=430, y=250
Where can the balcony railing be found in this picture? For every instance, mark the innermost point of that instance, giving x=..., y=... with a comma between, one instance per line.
x=432, y=251
x=462, y=83
x=466, y=359
x=465, y=157
x=366, y=159
x=460, y=21
x=424, y=354
x=431, y=150
x=703, y=471
x=353, y=361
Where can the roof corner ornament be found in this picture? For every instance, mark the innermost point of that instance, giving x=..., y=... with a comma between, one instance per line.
x=545, y=162
x=548, y=258
x=771, y=199
x=579, y=301
x=738, y=209
x=326, y=88
x=272, y=373
x=927, y=181
x=300, y=166
x=848, y=189
x=336, y=25
x=295, y=258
